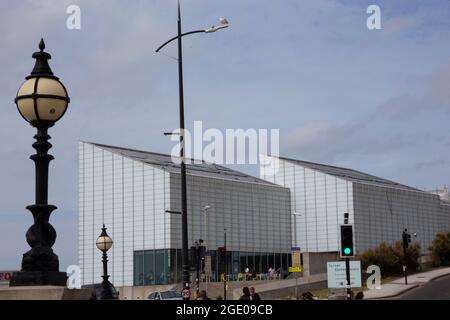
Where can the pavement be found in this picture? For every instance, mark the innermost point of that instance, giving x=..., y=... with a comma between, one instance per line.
x=398, y=287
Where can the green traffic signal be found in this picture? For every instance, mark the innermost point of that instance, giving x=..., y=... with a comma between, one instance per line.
x=347, y=251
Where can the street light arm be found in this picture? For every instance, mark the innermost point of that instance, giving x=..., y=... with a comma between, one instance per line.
x=176, y=37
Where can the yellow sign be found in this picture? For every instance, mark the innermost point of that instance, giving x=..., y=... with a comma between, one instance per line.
x=296, y=258
x=295, y=269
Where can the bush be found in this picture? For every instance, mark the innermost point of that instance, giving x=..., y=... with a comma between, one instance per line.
x=390, y=258
x=440, y=250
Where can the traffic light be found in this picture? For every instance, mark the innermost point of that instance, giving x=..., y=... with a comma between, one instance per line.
x=406, y=239
x=347, y=249
x=222, y=254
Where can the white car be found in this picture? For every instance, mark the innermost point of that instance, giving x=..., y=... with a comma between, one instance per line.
x=165, y=295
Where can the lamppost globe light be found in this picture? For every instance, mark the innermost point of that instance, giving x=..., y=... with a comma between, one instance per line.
x=42, y=98
x=104, y=241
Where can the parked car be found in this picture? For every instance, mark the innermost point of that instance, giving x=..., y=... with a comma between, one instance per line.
x=97, y=291
x=165, y=295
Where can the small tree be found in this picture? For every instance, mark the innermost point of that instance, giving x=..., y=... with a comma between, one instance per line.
x=390, y=258
x=440, y=250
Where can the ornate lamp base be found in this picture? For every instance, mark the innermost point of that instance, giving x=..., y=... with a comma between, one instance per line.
x=38, y=278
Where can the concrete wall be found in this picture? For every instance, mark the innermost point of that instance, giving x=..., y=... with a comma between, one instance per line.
x=316, y=263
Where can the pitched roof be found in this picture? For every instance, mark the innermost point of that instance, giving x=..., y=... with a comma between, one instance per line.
x=200, y=168
x=351, y=175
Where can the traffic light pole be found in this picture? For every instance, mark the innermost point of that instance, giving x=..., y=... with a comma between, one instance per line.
x=406, y=238
x=225, y=265
x=347, y=273
x=197, y=263
x=405, y=272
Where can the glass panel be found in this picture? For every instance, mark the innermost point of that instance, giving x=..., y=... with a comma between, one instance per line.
x=258, y=263
x=179, y=265
x=50, y=109
x=277, y=260
x=284, y=261
x=250, y=261
x=264, y=263
x=171, y=267
x=26, y=108
x=149, y=268
x=138, y=268
x=243, y=261
x=271, y=261
x=160, y=272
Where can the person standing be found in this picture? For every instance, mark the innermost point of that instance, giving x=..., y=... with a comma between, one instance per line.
x=246, y=294
x=253, y=294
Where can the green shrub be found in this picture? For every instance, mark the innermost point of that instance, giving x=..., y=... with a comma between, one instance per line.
x=390, y=258
x=440, y=250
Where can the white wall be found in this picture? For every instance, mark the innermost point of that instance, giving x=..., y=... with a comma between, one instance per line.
x=130, y=199
x=320, y=199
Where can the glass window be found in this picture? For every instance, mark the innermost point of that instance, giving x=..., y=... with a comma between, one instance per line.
x=160, y=270
x=171, y=266
x=139, y=268
x=271, y=260
x=258, y=263
x=250, y=260
x=284, y=261
x=277, y=261
x=179, y=265
x=264, y=263
x=243, y=261
x=149, y=268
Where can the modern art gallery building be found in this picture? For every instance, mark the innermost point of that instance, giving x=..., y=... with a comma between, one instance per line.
x=300, y=205
x=129, y=191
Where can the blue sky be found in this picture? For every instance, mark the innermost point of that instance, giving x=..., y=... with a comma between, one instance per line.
x=377, y=101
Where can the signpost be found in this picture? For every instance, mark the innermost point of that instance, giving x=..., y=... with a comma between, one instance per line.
x=337, y=277
x=296, y=266
x=208, y=270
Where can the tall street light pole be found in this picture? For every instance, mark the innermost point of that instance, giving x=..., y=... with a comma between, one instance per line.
x=184, y=225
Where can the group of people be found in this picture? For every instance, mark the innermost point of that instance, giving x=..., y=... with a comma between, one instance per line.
x=271, y=273
x=249, y=294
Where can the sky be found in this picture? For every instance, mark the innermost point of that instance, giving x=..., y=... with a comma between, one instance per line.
x=372, y=100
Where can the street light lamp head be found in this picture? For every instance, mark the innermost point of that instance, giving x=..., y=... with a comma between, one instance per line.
x=223, y=21
x=104, y=242
x=223, y=24
x=42, y=98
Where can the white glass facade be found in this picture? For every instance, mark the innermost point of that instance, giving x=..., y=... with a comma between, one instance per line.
x=318, y=204
x=379, y=209
x=130, y=196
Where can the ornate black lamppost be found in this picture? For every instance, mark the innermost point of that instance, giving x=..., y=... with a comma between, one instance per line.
x=104, y=243
x=41, y=100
